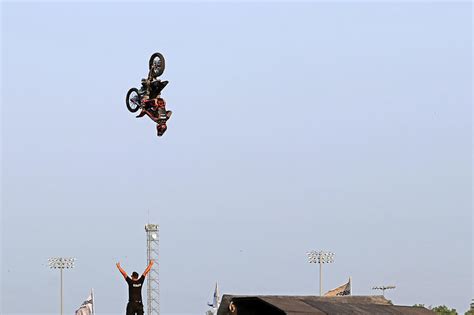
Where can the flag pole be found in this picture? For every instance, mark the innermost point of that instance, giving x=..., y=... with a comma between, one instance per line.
x=350, y=285
x=93, y=302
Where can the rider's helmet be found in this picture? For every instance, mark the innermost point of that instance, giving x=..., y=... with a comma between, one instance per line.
x=161, y=128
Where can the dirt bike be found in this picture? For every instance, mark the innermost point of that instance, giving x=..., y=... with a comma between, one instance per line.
x=156, y=66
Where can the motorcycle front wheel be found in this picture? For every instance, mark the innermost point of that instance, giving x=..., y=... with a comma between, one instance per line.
x=133, y=100
x=156, y=64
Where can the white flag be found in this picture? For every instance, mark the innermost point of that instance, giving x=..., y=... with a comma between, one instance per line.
x=344, y=289
x=87, y=308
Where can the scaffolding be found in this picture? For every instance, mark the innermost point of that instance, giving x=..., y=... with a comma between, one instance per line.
x=153, y=284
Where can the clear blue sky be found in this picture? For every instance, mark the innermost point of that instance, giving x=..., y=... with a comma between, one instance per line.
x=344, y=127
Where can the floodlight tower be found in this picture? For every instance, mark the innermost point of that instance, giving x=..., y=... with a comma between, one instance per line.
x=153, y=284
x=61, y=263
x=383, y=288
x=321, y=258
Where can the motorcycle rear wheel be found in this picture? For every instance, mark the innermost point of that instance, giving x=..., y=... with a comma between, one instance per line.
x=156, y=65
x=133, y=100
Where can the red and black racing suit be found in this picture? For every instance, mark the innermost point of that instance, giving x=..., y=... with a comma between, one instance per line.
x=156, y=110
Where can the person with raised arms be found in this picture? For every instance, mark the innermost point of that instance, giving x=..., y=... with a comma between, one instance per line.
x=135, y=284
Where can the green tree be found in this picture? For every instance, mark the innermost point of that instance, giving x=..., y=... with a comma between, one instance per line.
x=470, y=312
x=444, y=310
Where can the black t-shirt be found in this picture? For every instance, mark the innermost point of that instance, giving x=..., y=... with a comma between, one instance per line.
x=135, y=288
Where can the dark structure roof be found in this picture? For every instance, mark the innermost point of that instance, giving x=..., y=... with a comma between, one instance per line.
x=314, y=305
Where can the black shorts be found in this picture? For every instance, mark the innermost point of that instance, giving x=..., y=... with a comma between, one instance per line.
x=134, y=308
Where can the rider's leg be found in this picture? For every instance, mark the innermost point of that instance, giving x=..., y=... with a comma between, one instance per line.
x=168, y=114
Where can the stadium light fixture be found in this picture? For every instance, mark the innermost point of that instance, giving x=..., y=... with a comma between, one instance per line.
x=61, y=263
x=320, y=257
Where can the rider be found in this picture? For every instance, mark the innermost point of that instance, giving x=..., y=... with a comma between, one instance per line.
x=154, y=105
x=135, y=305
x=158, y=113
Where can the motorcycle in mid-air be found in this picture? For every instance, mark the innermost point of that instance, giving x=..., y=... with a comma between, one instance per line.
x=148, y=97
x=134, y=99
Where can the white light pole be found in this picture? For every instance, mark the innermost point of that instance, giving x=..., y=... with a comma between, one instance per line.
x=321, y=258
x=61, y=263
x=383, y=288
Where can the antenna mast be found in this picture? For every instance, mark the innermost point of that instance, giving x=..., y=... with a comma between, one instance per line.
x=153, y=284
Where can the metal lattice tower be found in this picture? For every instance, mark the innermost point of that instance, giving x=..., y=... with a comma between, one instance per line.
x=153, y=284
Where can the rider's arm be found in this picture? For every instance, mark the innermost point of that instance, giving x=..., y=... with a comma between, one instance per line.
x=124, y=274
x=148, y=268
x=142, y=113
